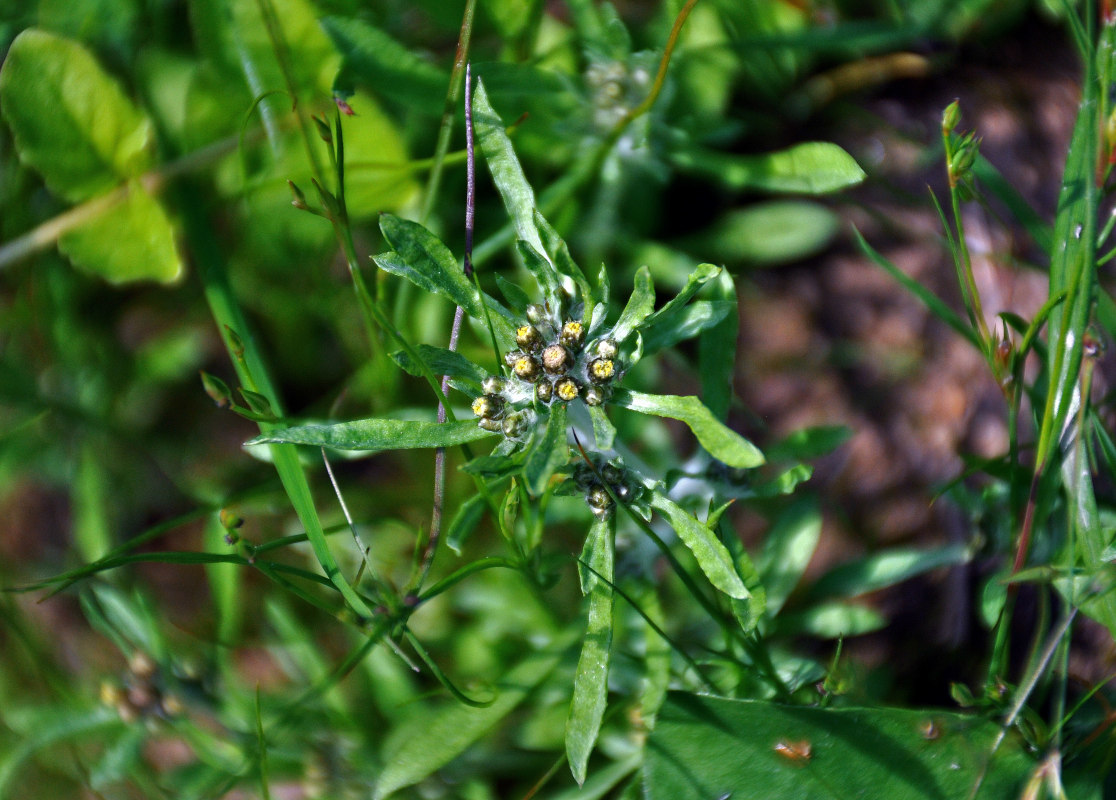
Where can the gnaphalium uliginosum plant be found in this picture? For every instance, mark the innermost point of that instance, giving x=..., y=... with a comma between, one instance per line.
x=558, y=368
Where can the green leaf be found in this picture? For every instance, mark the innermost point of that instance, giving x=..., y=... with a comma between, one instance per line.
x=639, y=307
x=686, y=323
x=807, y=168
x=808, y=443
x=547, y=452
x=717, y=352
x=441, y=362
x=701, y=275
x=767, y=234
x=507, y=174
x=464, y=521
x=42, y=727
x=604, y=432
x=540, y=268
x=590, y=688
x=377, y=434
x=832, y=621
x=131, y=241
x=709, y=552
x=886, y=569
x=559, y=254
x=421, y=257
x=69, y=118
x=707, y=747
x=408, y=754
x=721, y=442
x=787, y=549
x=381, y=64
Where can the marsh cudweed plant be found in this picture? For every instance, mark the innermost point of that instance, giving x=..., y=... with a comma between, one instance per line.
x=556, y=373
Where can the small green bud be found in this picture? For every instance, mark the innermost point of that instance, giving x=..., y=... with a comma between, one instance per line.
x=598, y=497
x=950, y=117
x=257, y=402
x=324, y=130
x=489, y=424
x=556, y=359
x=217, y=390
x=567, y=389
x=544, y=390
x=514, y=425
x=229, y=521
x=299, y=200
x=611, y=473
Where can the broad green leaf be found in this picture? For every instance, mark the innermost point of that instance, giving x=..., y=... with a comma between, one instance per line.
x=707, y=747
x=590, y=688
x=441, y=362
x=787, y=549
x=639, y=306
x=507, y=174
x=717, y=352
x=131, y=241
x=376, y=61
x=70, y=120
x=709, y=552
x=604, y=432
x=548, y=451
x=408, y=754
x=886, y=569
x=421, y=257
x=721, y=442
x=377, y=434
x=807, y=168
x=767, y=234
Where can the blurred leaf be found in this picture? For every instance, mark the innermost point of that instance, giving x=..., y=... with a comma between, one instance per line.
x=706, y=747
x=120, y=758
x=408, y=755
x=717, y=352
x=807, y=168
x=709, y=552
x=131, y=241
x=787, y=550
x=69, y=118
x=766, y=234
x=377, y=434
x=547, y=451
x=380, y=64
x=42, y=727
x=590, y=687
x=721, y=442
x=886, y=569
x=832, y=621
x=809, y=443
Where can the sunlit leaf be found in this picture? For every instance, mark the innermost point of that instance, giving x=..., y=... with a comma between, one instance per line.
x=807, y=168
x=377, y=434
x=709, y=552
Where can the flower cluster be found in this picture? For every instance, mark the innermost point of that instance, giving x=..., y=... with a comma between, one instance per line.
x=552, y=364
x=592, y=480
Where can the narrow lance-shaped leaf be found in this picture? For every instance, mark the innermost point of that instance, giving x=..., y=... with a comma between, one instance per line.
x=590, y=689
x=701, y=275
x=441, y=362
x=711, y=554
x=377, y=434
x=717, y=352
x=721, y=442
x=639, y=307
x=604, y=432
x=518, y=196
x=696, y=318
x=547, y=452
